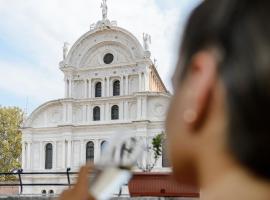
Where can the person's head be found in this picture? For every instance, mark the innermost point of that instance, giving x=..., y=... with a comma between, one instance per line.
x=221, y=102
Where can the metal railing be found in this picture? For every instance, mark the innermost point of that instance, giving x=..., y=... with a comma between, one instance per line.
x=20, y=172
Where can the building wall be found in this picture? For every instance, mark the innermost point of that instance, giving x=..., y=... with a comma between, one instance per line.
x=69, y=143
x=68, y=123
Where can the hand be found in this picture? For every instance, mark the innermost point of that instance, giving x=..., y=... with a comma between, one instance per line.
x=80, y=190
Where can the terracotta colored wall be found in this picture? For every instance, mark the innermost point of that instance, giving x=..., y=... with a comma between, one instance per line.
x=160, y=185
x=10, y=190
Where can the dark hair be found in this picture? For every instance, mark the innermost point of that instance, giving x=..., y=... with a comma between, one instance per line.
x=240, y=29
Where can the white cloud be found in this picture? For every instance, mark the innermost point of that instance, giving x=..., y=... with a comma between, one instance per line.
x=39, y=28
x=28, y=82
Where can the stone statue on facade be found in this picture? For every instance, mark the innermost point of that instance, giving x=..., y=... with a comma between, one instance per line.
x=146, y=41
x=104, y=9
x=65, y=50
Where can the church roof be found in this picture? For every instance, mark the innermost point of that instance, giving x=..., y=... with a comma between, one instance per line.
x=101, y=40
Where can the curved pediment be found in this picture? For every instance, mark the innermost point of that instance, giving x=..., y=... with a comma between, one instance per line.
x=90, y=49
x=95, y=55
x=49, y=114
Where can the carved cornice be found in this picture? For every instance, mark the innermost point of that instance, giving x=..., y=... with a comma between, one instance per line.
x=100, y=127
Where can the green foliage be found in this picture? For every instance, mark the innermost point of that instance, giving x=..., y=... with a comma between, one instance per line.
x=10, y=140
x=157, y=145
x=156, y=148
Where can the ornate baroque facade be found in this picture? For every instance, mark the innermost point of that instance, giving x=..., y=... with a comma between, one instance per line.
x=111, y=85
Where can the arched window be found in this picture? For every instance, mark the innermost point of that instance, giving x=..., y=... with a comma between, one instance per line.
x=103, y=145
x=115, y=112
x=90, y=151
x=43, y=192
x=116, y=88
x=51, y=192
x=48, y=156
x=98, y=89
x=96, y=113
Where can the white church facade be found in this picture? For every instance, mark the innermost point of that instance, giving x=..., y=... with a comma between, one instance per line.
x=111, y=86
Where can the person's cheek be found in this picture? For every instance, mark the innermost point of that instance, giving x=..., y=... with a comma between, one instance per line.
x=172, y=117
x=169, y=122
x=171, y=128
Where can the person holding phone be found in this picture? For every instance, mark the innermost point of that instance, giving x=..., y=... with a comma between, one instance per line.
x=218, y=128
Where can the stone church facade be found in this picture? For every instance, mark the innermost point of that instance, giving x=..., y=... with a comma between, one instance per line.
x=111, y=86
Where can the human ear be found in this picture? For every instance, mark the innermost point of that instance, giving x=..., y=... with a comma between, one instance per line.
x=199, y=85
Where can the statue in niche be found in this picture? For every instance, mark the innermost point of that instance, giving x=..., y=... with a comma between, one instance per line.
x=146, y=41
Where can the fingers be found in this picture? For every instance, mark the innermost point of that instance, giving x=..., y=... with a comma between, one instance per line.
x=83, y=177
x=66, y=195
x=82, y=185
x=80, y=190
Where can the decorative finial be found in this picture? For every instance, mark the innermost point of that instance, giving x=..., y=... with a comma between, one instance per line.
x=104, y=10
x=146, y=41
x=65, y=50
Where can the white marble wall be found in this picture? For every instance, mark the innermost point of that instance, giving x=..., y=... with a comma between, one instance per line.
x=68, y=151
x=143, y=106
x=85, y=88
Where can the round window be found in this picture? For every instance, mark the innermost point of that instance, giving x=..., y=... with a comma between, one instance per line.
x=108, y=58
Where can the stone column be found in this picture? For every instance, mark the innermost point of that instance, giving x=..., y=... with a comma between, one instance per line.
x=54, y=154
x=64, y=113
x=69, y=153
x=102, y=112
x=28, y=155
x=86, y=88
x=150, y=81
x=127, y=85
x=108, y=86
x=90, y=88
x=23, y=155
x=122, y=86
x=64, y=154
x=103, y=87
x=144, y=107
x=41, y=156
x=107, y=112
x=66, y=88
x=70, y=88
x=82, y=149
x=121, y=110
x=96, y=151
x=147, y=83
x=140, y=82
x=84, y=114
x=90, y=113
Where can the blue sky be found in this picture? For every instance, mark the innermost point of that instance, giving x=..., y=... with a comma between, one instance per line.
x=32, y=33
